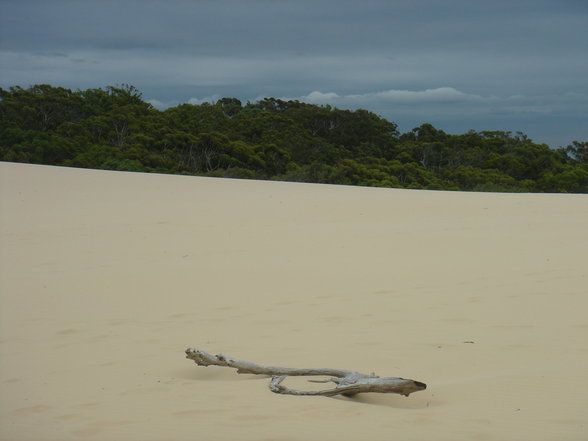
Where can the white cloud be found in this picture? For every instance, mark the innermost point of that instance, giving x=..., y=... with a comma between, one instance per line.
x=441, y=94
x=317, y=97
x=161, y=105
x=208, y=99
x=448, y=101
x=438, y=95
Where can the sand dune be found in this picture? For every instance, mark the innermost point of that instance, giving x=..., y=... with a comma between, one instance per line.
x=107, y=277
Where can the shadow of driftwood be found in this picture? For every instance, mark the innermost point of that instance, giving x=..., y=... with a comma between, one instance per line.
x=388, y=400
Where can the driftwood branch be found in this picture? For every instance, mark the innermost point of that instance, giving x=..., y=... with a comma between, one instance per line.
x=348, y=383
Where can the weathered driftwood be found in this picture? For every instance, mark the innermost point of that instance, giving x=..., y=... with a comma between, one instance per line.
x=348, y=383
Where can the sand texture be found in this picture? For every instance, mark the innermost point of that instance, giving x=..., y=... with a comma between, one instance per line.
x=107, y=277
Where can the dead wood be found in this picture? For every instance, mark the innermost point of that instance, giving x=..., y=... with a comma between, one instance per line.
x=347, y=382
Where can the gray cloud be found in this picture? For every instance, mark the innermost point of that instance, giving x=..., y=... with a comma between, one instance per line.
x=458, y=63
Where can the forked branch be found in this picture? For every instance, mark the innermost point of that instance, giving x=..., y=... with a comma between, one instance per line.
x=347, y=382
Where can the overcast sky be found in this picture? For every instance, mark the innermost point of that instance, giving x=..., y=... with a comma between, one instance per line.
x=517, y=65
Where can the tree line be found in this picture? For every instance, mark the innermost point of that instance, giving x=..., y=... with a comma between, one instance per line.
x=114, y=128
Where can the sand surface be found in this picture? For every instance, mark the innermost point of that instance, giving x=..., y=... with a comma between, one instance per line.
x=107, y=277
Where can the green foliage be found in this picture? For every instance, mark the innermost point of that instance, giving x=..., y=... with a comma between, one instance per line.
x=113, y=128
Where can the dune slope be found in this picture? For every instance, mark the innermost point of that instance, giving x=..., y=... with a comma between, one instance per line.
x=107, y=277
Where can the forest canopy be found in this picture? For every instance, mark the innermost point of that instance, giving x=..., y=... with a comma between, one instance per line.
x=114, y=128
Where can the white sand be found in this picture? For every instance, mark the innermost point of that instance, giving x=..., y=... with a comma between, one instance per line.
x=107, y=277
